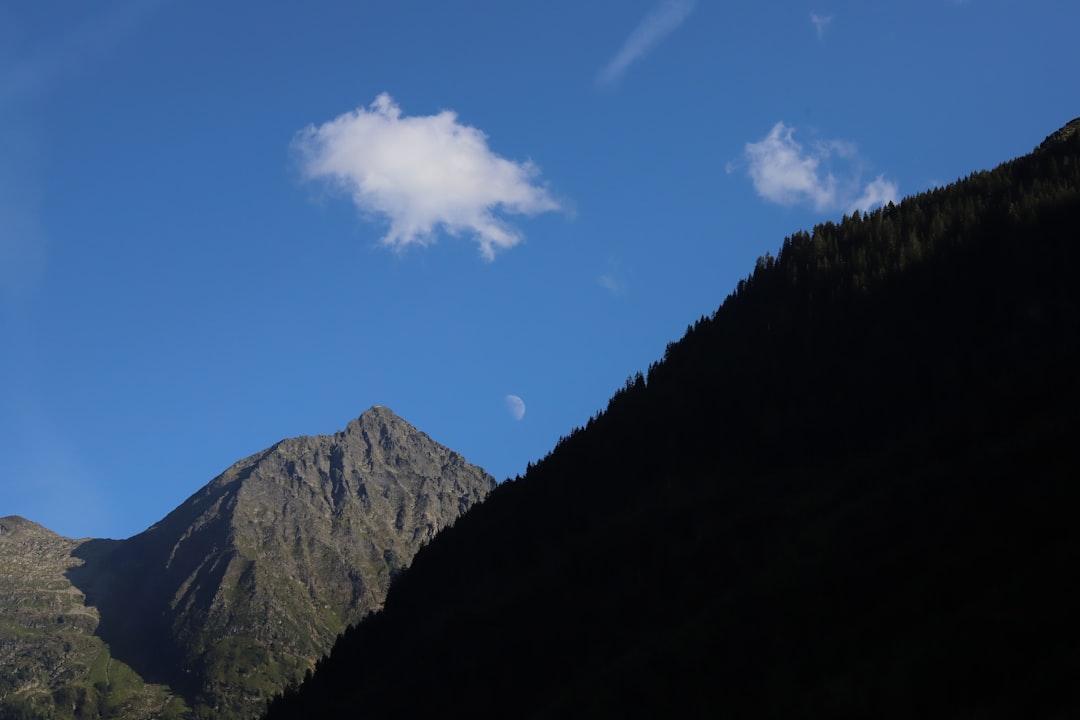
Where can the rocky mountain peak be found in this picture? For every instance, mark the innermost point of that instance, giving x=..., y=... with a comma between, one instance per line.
x=14, y=523
x=383, y=423
x=242, y=587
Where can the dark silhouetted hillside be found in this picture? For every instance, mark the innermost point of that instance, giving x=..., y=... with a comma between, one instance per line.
x=851, y=492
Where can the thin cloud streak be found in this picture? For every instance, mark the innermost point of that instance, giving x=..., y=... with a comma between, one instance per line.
x=821, y=22
x=612, y=279
x=657, y=25
x=610, y=284
x=422, y=174
x=785, y=173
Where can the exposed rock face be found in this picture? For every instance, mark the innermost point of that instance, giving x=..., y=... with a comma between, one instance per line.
x=1059, y=136
x=51, y=662
x=240, y=589
x=35, y=598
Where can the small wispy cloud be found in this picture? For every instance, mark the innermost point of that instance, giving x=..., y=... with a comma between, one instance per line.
x=422, y=174
x=612, y=279
x=785, y=173
x=821, y=23
x=878, y=191
x=610, y=284
x=654, y=27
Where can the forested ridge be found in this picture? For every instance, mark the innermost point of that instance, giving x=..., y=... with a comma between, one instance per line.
x=850, y=492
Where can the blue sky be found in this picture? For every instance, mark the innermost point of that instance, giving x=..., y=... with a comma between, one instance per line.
x=224, y=224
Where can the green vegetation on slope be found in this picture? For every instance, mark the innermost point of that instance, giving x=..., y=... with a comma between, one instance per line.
x=53, y=664
x=849, y=493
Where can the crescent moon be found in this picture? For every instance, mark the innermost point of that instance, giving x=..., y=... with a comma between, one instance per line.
x=516, y=406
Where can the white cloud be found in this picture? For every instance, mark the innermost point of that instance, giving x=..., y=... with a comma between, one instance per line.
x=785, y=173
x=878, y=192
x=821, y=22
x=653, y=28
x=422, y=174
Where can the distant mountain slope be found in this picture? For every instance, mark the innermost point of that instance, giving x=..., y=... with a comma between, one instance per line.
x=51, y=663
x=851, y=492
x=236, y=592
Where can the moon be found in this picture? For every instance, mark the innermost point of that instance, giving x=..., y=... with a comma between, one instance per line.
x=516, y=406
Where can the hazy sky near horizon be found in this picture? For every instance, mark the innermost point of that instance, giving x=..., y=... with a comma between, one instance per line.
x=226, y=224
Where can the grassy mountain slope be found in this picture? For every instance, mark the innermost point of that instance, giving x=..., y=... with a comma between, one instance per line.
x=848, y=493
x=239, y=590
x=52, y=663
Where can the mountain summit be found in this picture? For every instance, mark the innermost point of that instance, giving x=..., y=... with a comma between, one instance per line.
x=242, y=587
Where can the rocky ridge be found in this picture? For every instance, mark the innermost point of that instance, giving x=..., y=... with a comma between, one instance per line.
x=239, y=590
